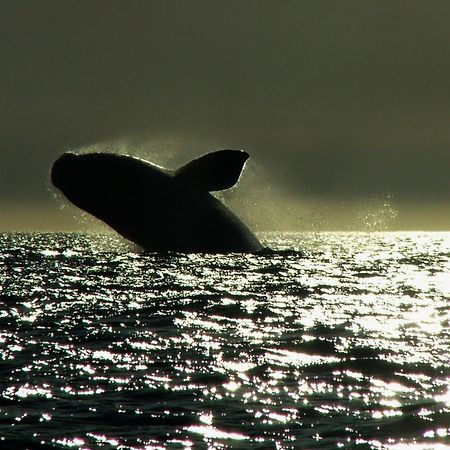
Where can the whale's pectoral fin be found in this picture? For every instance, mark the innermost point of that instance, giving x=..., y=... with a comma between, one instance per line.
x=214, y=171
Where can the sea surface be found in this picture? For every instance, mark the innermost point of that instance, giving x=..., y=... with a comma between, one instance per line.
x=327, y=341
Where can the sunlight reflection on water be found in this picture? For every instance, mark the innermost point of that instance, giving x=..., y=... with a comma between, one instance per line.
x=332, y=340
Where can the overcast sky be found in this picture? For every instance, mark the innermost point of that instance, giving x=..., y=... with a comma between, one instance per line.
x=335, y=100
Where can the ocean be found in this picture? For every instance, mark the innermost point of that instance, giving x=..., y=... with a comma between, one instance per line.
x=327, y=341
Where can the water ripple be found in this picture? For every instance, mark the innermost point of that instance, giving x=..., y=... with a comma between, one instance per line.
x=328, y=340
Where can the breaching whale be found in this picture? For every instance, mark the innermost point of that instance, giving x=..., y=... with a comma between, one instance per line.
x=156, y=208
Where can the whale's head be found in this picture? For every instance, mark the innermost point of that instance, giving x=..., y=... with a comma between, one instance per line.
x=103, y=182
x=81, y=178
x=63, y=170
x=78, y=177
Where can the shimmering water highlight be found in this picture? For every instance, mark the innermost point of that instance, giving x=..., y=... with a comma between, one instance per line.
x=330, y=340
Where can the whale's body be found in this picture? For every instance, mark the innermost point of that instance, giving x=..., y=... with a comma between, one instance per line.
x=156, y=208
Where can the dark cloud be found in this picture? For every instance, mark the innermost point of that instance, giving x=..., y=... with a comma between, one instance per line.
x=342, y=99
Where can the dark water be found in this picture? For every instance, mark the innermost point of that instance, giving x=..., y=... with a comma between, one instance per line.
x=330, y=341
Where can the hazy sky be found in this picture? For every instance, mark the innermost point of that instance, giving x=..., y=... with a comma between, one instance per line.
x=338, y=102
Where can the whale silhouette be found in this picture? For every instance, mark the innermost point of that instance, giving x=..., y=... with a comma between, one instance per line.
x=156, y=208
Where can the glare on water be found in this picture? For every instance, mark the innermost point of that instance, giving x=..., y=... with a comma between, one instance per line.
x=330, y=340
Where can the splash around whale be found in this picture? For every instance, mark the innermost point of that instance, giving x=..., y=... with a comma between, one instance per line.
x=156, y=208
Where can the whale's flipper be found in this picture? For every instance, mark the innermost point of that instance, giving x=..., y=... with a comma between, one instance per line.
x=214, y=171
